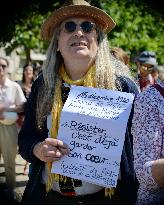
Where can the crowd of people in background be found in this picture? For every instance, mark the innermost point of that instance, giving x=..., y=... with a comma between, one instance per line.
x=28, y=105
x=13, y=99
x=12, y=102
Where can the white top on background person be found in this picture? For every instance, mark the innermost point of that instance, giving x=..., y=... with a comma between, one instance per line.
x=11, y=95
x=12, y=101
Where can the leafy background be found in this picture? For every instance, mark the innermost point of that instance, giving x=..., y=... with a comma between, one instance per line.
x=139, y=25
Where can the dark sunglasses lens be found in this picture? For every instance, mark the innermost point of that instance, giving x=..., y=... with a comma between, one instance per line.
x=3, y=66
x=146, y=65
x=70, y=26
x=87, y=27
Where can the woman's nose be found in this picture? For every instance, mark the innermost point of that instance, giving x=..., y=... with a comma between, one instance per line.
x=78, y=31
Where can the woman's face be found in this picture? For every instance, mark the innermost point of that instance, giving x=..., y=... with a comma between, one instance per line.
x=28, y=72
x=3, y=68
x=78, y=39
x=145, y=69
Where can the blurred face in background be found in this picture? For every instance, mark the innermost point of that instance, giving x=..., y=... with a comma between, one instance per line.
x=28, y=72
x=145, y=69
x=155, y=74
x=3, y=68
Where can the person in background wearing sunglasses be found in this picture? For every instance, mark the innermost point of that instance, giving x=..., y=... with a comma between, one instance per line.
x=78, y=54
x=145, y=63
x=12, y=100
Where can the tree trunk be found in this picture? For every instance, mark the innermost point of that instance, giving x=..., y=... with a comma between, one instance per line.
x=28, y=57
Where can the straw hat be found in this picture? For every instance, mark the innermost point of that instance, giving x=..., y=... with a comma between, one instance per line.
x=72, y=8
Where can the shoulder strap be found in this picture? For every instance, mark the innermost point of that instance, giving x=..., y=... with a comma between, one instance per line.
x=159, y=88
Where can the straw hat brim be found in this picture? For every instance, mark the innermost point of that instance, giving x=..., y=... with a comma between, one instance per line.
x=100, y=17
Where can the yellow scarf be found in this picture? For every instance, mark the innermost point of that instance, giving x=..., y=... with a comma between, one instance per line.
x=89, y=81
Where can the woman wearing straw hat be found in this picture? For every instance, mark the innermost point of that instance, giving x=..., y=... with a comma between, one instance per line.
x=78, y=54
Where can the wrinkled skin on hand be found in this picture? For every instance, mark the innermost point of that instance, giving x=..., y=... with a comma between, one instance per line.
x=50, y=150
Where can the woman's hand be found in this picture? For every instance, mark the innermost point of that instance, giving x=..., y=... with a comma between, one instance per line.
x=158, y=171
x=50, y=150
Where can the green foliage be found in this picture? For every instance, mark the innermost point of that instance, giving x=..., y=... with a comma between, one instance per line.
x=27, y=36
x=26, y=33
x=138, y=26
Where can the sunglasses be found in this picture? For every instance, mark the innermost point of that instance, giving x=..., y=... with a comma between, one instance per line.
x=86, y=26
x=146, y=65
x=3, y=66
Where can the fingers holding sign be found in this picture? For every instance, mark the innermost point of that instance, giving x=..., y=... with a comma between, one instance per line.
x=50, y=150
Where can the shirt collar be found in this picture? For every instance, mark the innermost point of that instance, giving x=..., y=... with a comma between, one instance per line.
x=7, y=82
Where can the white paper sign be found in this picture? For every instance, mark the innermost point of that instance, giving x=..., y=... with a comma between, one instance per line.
x=93, y=124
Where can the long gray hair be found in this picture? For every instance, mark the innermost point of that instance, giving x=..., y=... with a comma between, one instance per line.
x=107, y=70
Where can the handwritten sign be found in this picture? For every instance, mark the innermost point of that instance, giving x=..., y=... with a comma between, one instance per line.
x=93, y=124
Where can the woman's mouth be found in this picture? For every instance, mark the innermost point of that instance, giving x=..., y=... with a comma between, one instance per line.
x=79, y=44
